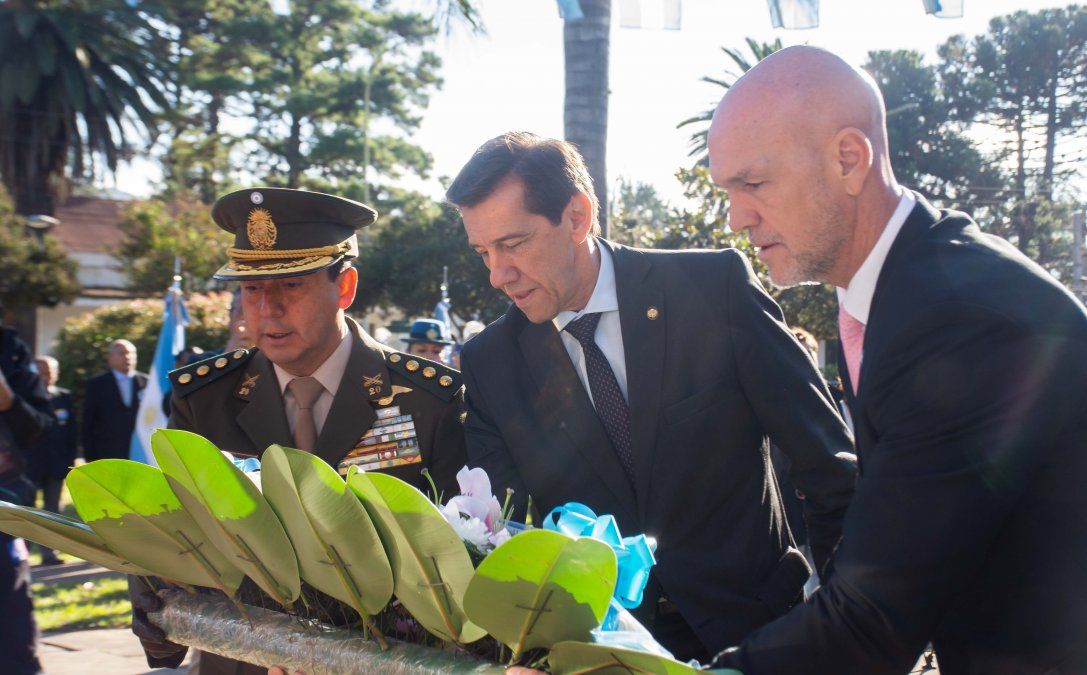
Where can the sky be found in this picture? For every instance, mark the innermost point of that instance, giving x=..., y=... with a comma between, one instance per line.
x=511, y=78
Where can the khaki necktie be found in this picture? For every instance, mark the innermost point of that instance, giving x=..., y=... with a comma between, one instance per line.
x=306, y=391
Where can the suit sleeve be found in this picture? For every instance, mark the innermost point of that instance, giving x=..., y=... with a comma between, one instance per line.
x=486, y=447
x=448, y=455
x=30, y=411
x=792, y=403
x=962, y=405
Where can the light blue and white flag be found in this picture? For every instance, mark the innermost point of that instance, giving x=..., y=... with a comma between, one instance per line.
x=944, y=9
x=171, y=341
x=794, y=14
x=570, y=10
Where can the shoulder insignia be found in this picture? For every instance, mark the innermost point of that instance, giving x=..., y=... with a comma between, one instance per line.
x=197, y=375
x=435, y=378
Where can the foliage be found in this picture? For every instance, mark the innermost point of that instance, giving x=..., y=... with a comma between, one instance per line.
x=76, y=75
x=401, y=260
x=32, y=271
x=575, y=658
x=78, y=605
x=339, y=551
x=635, y=210
x=63, y=532
x=157, y=231
x=84, y=339
x=542, y=587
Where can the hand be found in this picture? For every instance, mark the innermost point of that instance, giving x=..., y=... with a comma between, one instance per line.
x=151, y=636
x=280, y=670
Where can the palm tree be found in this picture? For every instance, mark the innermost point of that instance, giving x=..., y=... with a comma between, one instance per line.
x=78, y=77
x=759, y=50
x=586, y=43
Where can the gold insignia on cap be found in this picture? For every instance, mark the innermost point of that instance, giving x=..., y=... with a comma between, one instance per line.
x=239, y=354
x=652, y=313
x=412, y=365
x=445, y=380
x=429, y=372
x=260, y=229
x=394, y=358
x=184, y=378
x=203, y=370
x=432, y=334
x=221, y=362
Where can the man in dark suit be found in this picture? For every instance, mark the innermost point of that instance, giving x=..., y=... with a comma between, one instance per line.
x=55, y=452
x=644, y=384
x=315, y=381
x=965, y=368
x=110, y=404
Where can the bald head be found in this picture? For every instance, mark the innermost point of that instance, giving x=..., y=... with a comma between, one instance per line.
x=800, y=143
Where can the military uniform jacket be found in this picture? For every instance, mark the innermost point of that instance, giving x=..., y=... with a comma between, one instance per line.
x=242, y=410
x=237, y=405
x=712, y=372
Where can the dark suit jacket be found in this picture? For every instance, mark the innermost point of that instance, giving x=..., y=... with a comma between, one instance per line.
x=56, y=450
x=243, y=412
x=709, y=378
x=107, y=421
x=969, y=524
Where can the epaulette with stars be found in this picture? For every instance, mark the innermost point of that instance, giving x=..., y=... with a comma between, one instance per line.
x=197, y=375
x=436, y=378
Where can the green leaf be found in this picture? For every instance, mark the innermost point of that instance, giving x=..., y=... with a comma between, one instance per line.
x=542, y=587
x=573, y=658
x=430, y=564
x=230, y=510
x=63, y=534
x=338, y=548
x=131, y=507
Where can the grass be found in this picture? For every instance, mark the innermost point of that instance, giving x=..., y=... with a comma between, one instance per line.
x=102, y=603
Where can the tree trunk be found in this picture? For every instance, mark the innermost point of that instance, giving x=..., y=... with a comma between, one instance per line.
x=294, y=154
x=585, y=112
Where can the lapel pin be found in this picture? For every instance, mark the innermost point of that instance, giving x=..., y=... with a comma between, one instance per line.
x=652, y=313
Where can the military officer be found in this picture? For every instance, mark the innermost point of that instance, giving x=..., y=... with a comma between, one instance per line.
x=315, y=380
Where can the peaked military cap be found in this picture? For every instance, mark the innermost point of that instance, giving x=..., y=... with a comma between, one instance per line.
x=285, y=233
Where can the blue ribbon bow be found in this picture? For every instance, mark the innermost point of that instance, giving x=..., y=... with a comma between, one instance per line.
x=634, y=554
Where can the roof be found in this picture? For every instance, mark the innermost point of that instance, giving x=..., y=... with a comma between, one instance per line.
x=89, y=224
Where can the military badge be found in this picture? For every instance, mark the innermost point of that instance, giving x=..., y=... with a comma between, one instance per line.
x=260, y=229
x=391, y=441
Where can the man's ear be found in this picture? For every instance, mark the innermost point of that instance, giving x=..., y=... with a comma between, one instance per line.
x=853, y=158
x=578, y=215
x=348, y=283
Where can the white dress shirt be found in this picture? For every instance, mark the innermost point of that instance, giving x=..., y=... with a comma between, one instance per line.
x=328, y=374
x=125, y=384
x=857, y=297
x=609, y=334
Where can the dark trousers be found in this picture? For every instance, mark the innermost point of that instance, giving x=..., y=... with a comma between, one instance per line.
x=50, y=489
x=18, y=631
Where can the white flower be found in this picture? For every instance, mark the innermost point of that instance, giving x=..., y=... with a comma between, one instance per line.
x=476, y=514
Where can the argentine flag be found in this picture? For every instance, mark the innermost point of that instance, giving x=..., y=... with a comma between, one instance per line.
x=171, y=342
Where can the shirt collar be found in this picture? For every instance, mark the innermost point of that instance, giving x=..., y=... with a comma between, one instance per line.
x=857, y=297
x=119, y=375
x=328, y=373
x=603, y=298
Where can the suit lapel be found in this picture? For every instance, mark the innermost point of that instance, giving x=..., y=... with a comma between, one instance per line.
x=352, y=414
x=563, y=404
x=264, y=419
x=643, y=348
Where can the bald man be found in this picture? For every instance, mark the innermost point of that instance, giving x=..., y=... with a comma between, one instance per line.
x=964, y=365
x=110, y=404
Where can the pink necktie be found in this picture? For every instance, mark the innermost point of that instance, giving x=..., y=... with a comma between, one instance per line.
x=852, y=332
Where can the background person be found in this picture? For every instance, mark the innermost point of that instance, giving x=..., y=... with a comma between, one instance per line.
x=55, y=452
x=110, y=404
